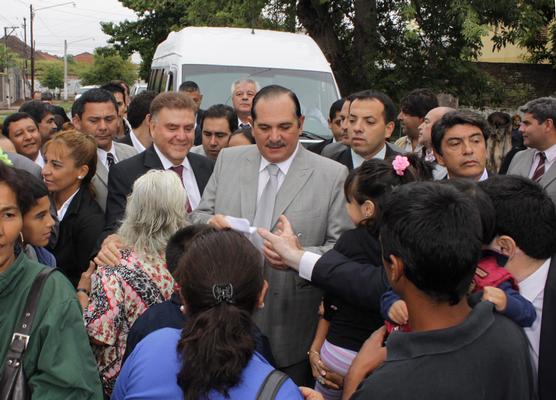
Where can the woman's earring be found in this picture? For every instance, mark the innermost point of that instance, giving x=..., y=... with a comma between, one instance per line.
x=80, y=177
x=182, y=309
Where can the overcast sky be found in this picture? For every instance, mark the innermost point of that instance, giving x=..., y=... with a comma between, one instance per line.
x=79, y=24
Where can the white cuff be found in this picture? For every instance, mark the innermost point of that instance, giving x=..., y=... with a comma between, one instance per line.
x=307, y=263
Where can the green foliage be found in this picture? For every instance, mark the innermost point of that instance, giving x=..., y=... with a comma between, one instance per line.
x=53, y=76
x=108, y=66
x=8, y=59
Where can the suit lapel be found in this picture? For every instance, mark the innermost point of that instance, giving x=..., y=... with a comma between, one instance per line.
x=249, y=177
x=102, y=173
x=151, y=160
x=525, y=167
x=298, y=174
x=549, y=176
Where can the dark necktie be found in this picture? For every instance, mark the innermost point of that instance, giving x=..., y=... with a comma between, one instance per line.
x=539, y=171
x=110, y=160
x=179, y=171
x=242, y=125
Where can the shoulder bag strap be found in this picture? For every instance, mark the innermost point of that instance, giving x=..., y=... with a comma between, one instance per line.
x=20, y=338
x=271, y=385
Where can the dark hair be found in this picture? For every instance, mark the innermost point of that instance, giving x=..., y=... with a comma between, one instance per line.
x=525, y=212
x=335, y=108
x=275, y=91
x=389, y=107
x=36, y=109
x=541, y=109
x=123, y=84
x=222, y=111
x=113, y=87
x=419, y=102
x=178, y=244
x=483, y=203
x=92, y=96
x=246, y=132
x=216, y=342
x=139, y=108
x=375, y=179
x=18, y=116
x=436, y=231
x=36, y=188
x=189, y=86
x=453, y=118
x=9, y=176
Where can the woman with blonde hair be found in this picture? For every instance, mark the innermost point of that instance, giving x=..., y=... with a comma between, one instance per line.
x=155, y=210
x=70, y=160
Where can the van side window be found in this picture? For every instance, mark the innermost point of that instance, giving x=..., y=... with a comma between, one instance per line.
x=170, y=86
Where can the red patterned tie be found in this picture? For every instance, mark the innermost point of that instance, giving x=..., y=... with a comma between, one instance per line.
x=539, y=171
x=179, y=170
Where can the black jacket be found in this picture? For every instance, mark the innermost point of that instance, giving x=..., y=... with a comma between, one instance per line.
x=345, y=156
x=79, y=231
x=123, y=174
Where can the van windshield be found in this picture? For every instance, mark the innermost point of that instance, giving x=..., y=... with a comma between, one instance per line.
x=316, y=90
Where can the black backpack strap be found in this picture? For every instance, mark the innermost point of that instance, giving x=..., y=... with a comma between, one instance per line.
x=271, y=385
x=20, y=338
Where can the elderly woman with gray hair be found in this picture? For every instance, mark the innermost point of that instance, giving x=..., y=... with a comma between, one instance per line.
x=120, y=294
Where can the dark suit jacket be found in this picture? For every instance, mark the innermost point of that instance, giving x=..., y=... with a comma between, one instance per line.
x=317, y=147
x=198, y=128
x=547, y=350
x=79, y=231
x=344, y=157
x=125, y=140
x=122, y=176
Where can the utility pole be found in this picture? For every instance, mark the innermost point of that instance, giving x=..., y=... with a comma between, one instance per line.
x=6, y=70
x=32, y=51
x=25, y=57
x=65, y=70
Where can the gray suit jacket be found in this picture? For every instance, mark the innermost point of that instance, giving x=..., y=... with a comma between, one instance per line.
x=521, y=165
x=100, y=180
x=312, y=198
x=22, y=162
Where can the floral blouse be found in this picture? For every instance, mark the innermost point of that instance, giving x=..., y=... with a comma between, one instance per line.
x=119, y=296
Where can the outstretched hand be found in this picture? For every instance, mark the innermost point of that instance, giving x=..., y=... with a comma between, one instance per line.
x=109, y=253
x=282, y=248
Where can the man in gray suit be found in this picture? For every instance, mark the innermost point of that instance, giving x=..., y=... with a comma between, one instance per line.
x=538, y=128
x=96, y=113
x=263, y=181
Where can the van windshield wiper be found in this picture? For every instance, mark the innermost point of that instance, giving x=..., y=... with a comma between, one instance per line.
x=312, y=135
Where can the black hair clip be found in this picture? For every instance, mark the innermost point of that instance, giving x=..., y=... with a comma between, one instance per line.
x=223, y=292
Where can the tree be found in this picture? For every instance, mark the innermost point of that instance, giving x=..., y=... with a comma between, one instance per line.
x=8, y=58
x=107, y=66
x=391, y=45
x=53, y=76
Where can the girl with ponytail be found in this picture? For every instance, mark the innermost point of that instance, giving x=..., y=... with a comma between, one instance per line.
x=213, y=356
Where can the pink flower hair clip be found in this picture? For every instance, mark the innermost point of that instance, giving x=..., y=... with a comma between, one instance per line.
x=400, y=164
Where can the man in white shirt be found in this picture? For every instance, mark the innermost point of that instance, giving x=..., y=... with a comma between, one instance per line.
x=138, y=116
x=526, y=234
x=243, y=92
x=459, y=144
x=96, y=114
x=538, y=128
x=413, y=109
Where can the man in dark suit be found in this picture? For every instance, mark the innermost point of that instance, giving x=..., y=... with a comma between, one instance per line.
x=191, y=90
x=139, y=137
x=172, y=124
x=459, y=144
x=539, y=134
x=339, y=135
x=526, y=234
x=372, y=118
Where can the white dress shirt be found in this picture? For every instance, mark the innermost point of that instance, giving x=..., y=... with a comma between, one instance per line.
x=550, y=154
x=39, y=160
x=284, y=167
x=240, y=122
x=188, y=178
x=61, y=213
x=358, y=160
x=101, y=154
x=137, y=145
x=532, y=288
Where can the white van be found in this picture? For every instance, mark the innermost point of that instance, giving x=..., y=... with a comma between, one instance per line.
x=215, y=57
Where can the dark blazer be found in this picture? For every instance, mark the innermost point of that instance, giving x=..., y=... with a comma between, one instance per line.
x=199, y=127
x=79, y=231
x=125, y=139
x=345, y=158
x=317, y=147
x=122, y=176
x=547, y=351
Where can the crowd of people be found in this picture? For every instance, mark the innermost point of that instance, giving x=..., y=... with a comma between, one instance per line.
x=152, y=249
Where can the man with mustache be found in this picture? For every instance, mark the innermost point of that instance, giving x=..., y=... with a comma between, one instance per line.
x=459, y=144
x=263, y=181
x=23, y=132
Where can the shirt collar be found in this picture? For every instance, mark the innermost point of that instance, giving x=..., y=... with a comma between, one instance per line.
x=549, y=153
x=407, y=345
x=64, y=209
x=136, y=142
x=483, y=177
x=534, y=284
x=358, y=160
x=39, y=160
x=284, y=165
x=102, y=153
x=167, y=163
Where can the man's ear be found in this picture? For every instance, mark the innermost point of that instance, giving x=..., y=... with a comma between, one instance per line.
x=76, y=121
x=389, y=129
x=505, y=245
x=394, y=267
x=438, y=157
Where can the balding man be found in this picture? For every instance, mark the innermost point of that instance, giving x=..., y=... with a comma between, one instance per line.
x=425, y=142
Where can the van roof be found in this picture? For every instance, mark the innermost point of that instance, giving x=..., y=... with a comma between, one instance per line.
x=240, y=47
